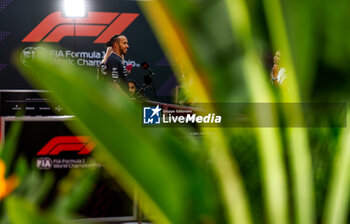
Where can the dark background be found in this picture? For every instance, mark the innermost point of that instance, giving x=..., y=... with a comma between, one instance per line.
x=106, y=200
x=19, y=17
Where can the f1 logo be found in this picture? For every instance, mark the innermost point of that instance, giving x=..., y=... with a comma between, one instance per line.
x=102, y=25
x=59, y=144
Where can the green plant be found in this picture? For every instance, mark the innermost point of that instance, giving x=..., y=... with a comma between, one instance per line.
x=219, y=44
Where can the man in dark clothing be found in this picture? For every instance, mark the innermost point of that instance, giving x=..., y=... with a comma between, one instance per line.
x=115, y=65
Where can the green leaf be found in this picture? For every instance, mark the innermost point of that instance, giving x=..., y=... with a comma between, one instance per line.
x=74, y=191
x=8, y=150
x=21, y=211
x=158, y=164
x=336, y=209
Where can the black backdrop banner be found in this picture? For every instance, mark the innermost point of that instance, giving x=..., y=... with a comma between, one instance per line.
x=80, y=41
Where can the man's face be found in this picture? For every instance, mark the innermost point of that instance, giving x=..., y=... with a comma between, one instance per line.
x=132, y=88
x=123, y=45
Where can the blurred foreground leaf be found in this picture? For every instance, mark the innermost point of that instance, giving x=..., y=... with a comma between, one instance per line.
x=336, y=209
x=7, y=151
x=194, y=80
x=73, y=196
x=20, y=211
x=163, y=168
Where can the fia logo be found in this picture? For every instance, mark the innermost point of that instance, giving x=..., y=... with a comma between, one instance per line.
x=43, y=163
x=151, y=115
x=30, y=53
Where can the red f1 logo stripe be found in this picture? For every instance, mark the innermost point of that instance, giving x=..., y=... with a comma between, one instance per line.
x=68, y=30
x=117, y=27
x=54, y=27
x=82, y=144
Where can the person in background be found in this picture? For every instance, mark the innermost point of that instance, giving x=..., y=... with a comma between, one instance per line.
x=108, y=53
x=132, y=88
x=278, y=74
x=101, y=74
